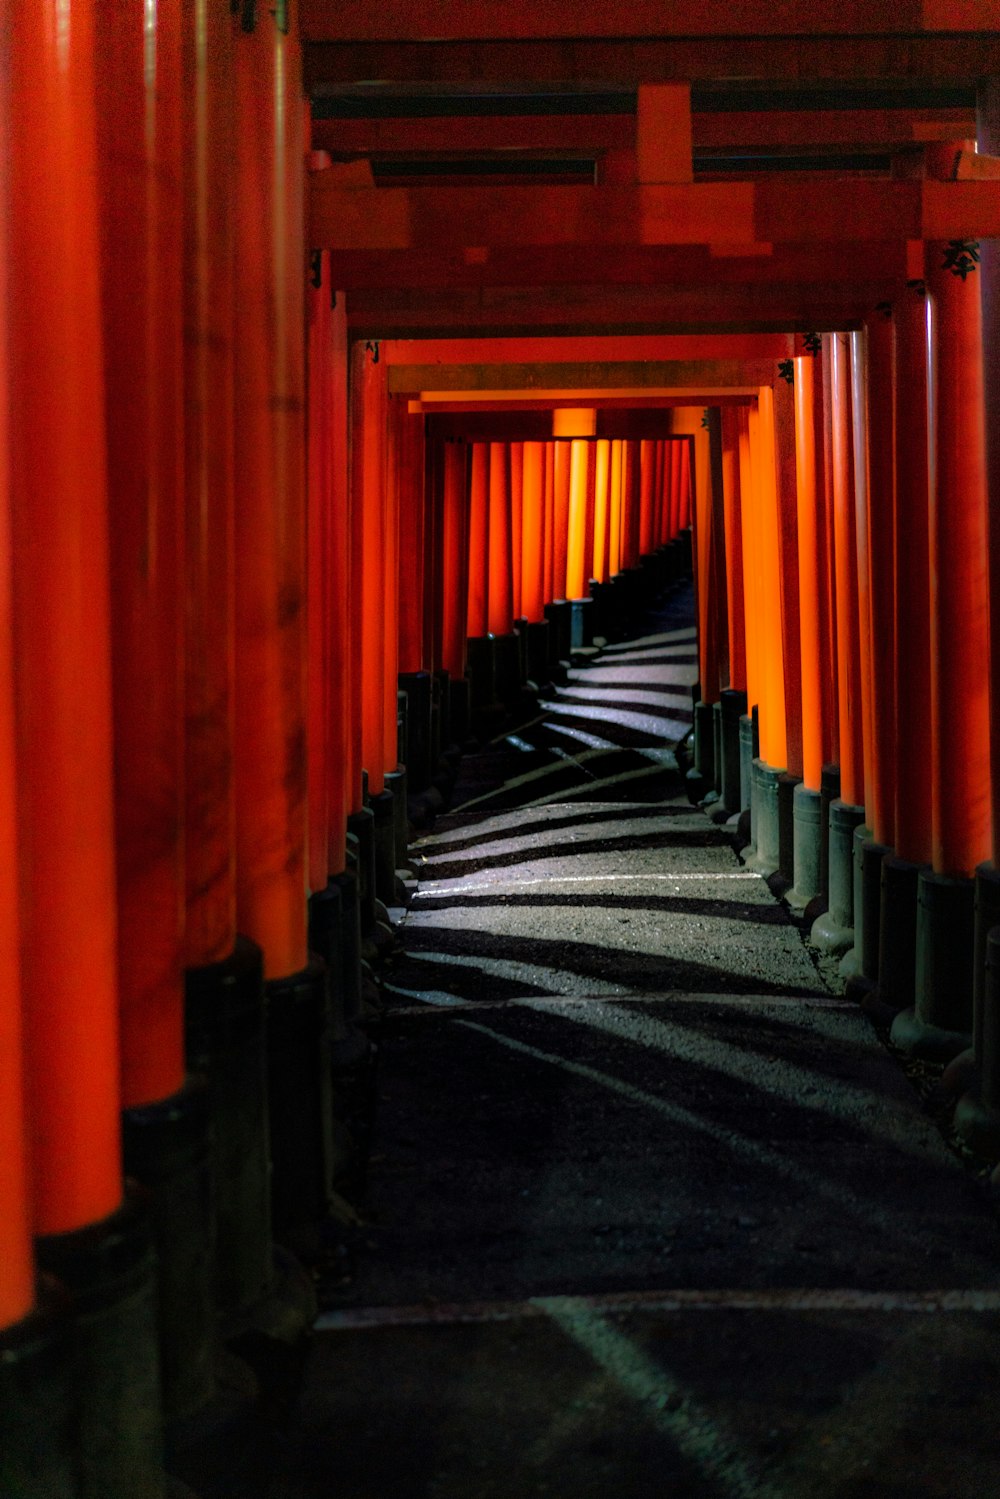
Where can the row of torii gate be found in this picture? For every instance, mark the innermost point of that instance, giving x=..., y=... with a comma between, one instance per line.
x=233, y=530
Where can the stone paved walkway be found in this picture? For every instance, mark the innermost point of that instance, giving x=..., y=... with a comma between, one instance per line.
x=652, y=1214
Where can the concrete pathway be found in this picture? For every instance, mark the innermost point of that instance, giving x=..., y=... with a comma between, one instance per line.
x=651, y=1211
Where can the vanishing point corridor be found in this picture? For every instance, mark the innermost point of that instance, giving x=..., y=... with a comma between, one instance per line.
x=651, y=1211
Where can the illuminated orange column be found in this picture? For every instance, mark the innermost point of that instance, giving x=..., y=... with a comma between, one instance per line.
x=60, y=540
x=708, y=621
x=549, y=506
x=959, y=695
x=139, y=141
x=751, y=575
x=849, y=685
x=809, y=520
x=413, y=518
x=834, y=930
x=210, y=834
x=500, y=612
x=735, y=613
x=631, y=482
x=647, y=471
x=318, y=555
x=615, y=488
x=773, y=727
x=517, y=526
x=368, y=470
x=532, y=531
x=390, y=594
x=17, y=1283
x=354, y=747
x=576, y=555
x=340, y=709
x=686, y=487
x=602, y=483
x=455, y=554
x=477, y=623
x=882, y=605
x=269, y=756
x=560, y=518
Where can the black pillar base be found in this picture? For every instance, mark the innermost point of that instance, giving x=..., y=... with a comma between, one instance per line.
x=581, y=623
x=559, y=615
x=416, y=686
x=766, y=855
x=939, y=1026
x=38, y=1415
x=226, y=1042
x=166, y=1150
x=829, y=790
x=833, y=931
x=507, y=668
x=536, y=645
x=806, y=816
x=109, y=1270
x=298, y=1055
x=868, y=859
x=787, y=784
x=458, y=710
x=361, y=847
x=382, y=805
x=897, y=957
x=704, y=743
x=746, y=754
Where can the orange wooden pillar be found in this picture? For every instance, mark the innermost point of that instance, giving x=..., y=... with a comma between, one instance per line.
x=517, y=527
x=455, y=558
x=647, y=481
x=560, y=517
x=412, y=579
x=270, y=756
x=533, y=598
x=942, y=1019
x=733, y=698
x=477, y=623
x=602, y=484
x=17, y=1283
x=576, y=553
x=631, y=489
x=549, y=507
x=319, y=382
x=368, y=483
x=500, y=607
x=63, y=705
x=834, y=930
x=616, y=486
x=60, y=538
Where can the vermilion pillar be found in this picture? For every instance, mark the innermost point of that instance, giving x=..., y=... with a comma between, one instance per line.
x=479, y=523
x=647, y=480
x=772, y=706
x=882, y=605
x=532, y=531
x=549, y=506
x=319, y=557
x=390, y=595
x=602, y=482
x=517, y=526
x=368, y=482
x=413, y=516
x=141, y=227
x=615, y=508
x=958, y=560
x=733, y=542
x=849, y=685
x=454, y=557
x=210, y=836
x=63, y=687
x=809, y=458
x=500, y=611
x=576, y=553
x=17, y=1283
x=339, y=704
x=560, y=517
x=751, y=571
x=270, y=758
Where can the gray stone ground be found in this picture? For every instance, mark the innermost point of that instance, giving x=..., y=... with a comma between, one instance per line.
x=651, y=1211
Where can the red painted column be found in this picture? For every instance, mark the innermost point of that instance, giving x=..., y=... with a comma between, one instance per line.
x=270, y=752
x=477, y=623
x=808, y=459
x=849, y=683
x=631, y=504
x=783, y=400
x=319, y=353
x=61, y=623
x=390, y=595
x=413, y=518
x=706, y=542
x=602, y=510
x=532, y=531
x=647, y=472
x=773, y=730
x=368, y=483
x=500, y=608
x=339, y=704
x=751, y=569
x=734, y=542
x=517, y=526
x=827, y=542
x=615, y=508
x=549, y=505
x=17, y=1283
x=210, y=832
x=958, y=560
x=576, y=547
x=560, y=517
x=914, y=776
x=454, y=556
x=141, y=233
x=882, y=599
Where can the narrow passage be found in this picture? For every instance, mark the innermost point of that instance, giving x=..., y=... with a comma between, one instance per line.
x=652, y=1212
